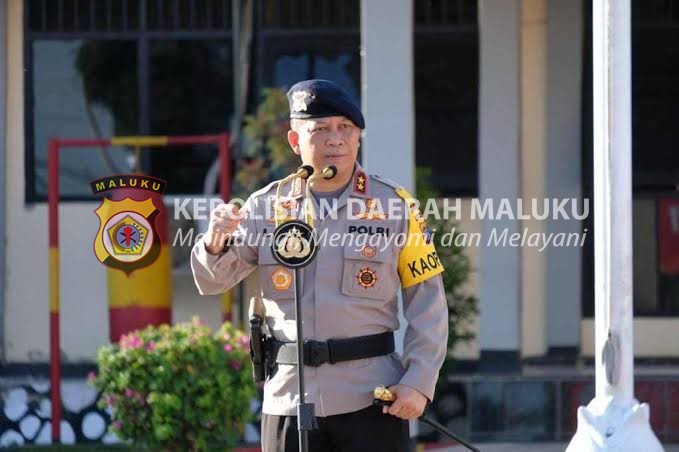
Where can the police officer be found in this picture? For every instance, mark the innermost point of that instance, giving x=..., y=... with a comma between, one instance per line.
x=349, y=292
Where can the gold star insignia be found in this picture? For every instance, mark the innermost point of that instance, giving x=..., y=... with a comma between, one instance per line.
x=360, y=182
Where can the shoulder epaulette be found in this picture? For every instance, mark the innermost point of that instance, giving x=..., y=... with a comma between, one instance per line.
x=399, y=189
x=264, y=189
x=386, y=181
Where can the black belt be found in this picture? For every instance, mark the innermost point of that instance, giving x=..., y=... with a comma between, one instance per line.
x=334, y=350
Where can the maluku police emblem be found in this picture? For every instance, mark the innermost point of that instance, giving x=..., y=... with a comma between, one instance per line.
x=127, y=238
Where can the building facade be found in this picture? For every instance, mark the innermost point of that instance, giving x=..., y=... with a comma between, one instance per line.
x=493, y=95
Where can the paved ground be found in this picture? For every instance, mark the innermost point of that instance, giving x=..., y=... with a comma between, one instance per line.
x=525, y=447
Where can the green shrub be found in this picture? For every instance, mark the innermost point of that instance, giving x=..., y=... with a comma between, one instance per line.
x=266, y=154
x=462, y=304
x=177, y=388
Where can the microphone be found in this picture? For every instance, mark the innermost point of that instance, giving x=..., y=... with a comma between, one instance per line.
x=326, y=173
x=304, y=171
x=329, y=172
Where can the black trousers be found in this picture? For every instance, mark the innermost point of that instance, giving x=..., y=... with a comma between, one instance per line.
x=365, y=430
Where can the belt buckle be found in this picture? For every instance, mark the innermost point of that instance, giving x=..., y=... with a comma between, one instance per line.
x=317, y=352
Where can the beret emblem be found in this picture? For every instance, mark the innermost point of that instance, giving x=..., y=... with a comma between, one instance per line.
x=300, y=100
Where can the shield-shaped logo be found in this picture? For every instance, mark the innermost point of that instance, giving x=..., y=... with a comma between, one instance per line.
x=294, y=244
x=127, y=238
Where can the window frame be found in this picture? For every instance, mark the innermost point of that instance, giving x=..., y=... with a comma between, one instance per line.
x=142, y=36
x=301, y=27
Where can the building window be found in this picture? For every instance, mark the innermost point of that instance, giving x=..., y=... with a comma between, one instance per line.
x=303, y=39
x=655, y=163
x=125, y=67
x=446, y=93
x=65, y=105
x=310, y=15
x=101, y=68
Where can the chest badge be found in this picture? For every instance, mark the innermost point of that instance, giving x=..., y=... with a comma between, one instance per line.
x=366, y=277
x=369, y=251
x=283, y=211
x=372, y=210
x=281, y=278
x=294, y=244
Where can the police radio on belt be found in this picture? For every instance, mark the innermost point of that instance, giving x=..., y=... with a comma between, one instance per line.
x=258, y=339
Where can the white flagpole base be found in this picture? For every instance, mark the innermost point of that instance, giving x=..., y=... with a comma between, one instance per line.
x=604, y=425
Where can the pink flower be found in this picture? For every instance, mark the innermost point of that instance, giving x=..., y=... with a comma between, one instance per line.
x=91, y=377
x=110, y=400
x=227, y=336
x=228, y=348
x=235, y=365
x=129, y=393
x=244, y=342
x=131, y=341
x=152, y=345
x=116, y=425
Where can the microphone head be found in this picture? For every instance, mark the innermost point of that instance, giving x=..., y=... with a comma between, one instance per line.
x=305, y=171
x=329, y=172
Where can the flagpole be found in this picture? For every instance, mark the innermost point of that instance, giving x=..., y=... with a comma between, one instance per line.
x=614, y=419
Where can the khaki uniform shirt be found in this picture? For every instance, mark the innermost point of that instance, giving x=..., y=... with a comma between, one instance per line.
x=350, y=290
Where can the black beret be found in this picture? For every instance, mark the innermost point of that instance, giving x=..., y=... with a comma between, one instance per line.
x=320, y=99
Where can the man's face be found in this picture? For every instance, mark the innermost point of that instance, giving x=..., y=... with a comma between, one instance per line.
x=326, y=141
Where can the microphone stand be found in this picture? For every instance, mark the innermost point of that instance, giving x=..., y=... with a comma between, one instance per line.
x=306, y=419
